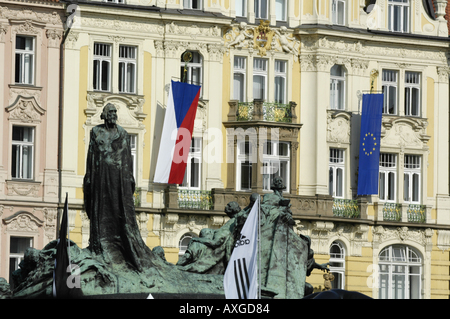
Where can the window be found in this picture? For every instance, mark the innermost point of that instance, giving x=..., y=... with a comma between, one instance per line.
x=389, y=87
x=244, y=167
x=280, y=81
x=275, y=163
x=241, y=8
x=338, y=11
x=24, y=66
x=239, y=78
x=192, y=4
x=388, y=177
x=412, y=94
x=400, y=273
x=280, y=10
x=261, y=9
x=127, y=69
x=259, y=78
x=102, y=67
x=398, y=15
x=336, y=173
x=184, y=243
x=17, y=247
x=115, y=1
x=337, y=87
x=192, y=175
x=337, y=264
x=22, y=152
x=411, y=179
x=193, y=74
x=133, y=147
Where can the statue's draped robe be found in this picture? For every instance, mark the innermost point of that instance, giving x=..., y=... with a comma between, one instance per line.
x=108, y=193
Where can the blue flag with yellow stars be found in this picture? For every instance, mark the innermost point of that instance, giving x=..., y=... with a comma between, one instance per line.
x=369, y=147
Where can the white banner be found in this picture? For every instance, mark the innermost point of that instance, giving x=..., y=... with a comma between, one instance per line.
x=241, y=276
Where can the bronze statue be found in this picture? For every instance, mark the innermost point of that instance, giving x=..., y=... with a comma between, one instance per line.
x=108, y=195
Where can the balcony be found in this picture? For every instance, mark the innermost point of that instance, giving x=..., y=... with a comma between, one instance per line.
x=272, y=112
x=259, y=110
x=411, y=213
x=346, y=208
x=194, y=199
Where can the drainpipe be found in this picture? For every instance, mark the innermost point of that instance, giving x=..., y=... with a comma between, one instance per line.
x=60, y=125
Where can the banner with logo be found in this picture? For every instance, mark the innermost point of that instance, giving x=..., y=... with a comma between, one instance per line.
x=241, y=276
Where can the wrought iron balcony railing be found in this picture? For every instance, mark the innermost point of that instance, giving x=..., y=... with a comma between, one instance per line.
x=416, y=213
x=194, y=199
x=392, y=212
x=347, y=208
x=273, y=112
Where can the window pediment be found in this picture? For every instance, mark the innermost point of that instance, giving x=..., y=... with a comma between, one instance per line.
x=25, y=110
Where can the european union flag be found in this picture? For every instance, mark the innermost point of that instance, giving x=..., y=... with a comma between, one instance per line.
x=369, y=147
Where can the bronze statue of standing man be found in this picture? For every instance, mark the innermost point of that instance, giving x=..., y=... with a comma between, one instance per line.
x=108, y=195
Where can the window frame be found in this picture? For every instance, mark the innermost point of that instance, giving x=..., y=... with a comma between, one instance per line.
x=390, y=261
x=334, y=166
x=263, y=73
x=404, y=6
x=338, y=269
x=243, y=7
x=188, y=4
x=244, y=158
x=126, y=61
x=335, y=5
x=280, y=97
x=388, y=171
x=386, y=86
x=337, y=94
x=240, y=71
x=284, y=5
x=18, y=256
x=195, y=155
x=412, y=167
x=23, y=53
x=274, y=158
x=410, y=87
x=189, y=68
x=259, y=8
x=97, y=75
x=19, y=161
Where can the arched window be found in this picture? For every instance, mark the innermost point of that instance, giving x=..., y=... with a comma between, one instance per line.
x=400, y=273
x=184, y=243
x=337, y=87
x=337, y=264
x=193, y=74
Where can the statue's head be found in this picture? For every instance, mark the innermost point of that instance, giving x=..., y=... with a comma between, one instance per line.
x=278, y=183
x=232, y=209
x=109, y=114
x=253, y=198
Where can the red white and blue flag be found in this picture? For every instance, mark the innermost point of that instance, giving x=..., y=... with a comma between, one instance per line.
x=177, y=133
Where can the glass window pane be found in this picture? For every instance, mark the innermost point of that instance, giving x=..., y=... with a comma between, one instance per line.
x=195, y=173
x=259, y=87
x=280, y=10
x=330, y=182
x=246, y=175
x=406, y=187
x=240, y=8
x=339, y=182
x=105, y=75
x=239, y=87
x=381, y=192
x=415, y=102
x=415, y=187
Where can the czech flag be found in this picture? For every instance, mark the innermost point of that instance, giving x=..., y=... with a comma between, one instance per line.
x=177, y=133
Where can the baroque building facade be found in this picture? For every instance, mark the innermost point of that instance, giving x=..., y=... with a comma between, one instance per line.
x=282, y=85
x=30, y=38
